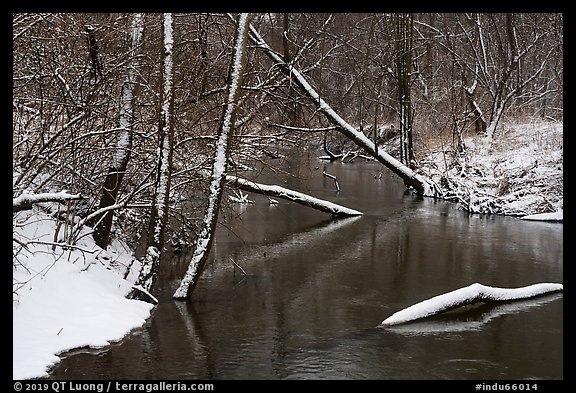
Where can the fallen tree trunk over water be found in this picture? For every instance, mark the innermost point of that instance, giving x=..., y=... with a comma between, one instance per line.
x=419, y=183
x=474, y=293
x=291, y=195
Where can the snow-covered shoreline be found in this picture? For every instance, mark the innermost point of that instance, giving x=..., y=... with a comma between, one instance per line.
x=66, y=299
x=557, y=216
x=520, y=174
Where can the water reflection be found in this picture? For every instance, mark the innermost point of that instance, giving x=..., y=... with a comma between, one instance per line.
x=317, y=288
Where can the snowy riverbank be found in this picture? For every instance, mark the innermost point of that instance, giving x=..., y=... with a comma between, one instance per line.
x=520, y=174
x=65, y=299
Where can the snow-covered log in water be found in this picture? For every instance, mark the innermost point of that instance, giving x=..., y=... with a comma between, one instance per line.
x=467, y=295
x=294, y=196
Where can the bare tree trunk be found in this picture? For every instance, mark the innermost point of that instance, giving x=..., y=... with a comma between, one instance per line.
x=404, y=26
x=208, y=228
x=363, y=77
x=479, y=121
x=113, y=181
x=159, y=210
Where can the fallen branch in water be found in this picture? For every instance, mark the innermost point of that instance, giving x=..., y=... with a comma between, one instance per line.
x=291, y=195
x=333, y=178
x=467, y=295
x=238, y=266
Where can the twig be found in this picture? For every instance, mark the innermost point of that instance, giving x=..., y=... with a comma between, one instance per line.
x=238, y=266
x=63, y=245
x=332, y=177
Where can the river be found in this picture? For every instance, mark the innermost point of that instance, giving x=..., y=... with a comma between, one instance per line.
x=316, y=289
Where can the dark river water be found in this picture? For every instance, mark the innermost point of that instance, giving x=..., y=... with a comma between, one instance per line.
x=317, y=288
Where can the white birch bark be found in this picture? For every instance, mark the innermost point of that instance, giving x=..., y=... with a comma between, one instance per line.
x=167, y=128
x=148, y=271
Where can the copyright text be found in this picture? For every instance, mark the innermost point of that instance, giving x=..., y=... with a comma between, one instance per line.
x=110, y=386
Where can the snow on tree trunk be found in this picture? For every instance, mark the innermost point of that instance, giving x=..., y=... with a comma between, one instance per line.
x=113, y=181
x=294, y=196
x=495, y=118
x=479, y=120
x=208, y=226
x=165, y=150
x=467, y=295
x=421, y=185
x=159, y=210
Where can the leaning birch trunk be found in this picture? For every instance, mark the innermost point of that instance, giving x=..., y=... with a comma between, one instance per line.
x=159, y=212
x=467, y=295
x=208, y=226
x=113, y=181
x=294, y=196
x=421, y=185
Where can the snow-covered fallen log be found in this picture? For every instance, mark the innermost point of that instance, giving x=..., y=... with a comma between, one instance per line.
x=548, y=217
x=467, y=295
x=291, y=195
x=462, y=321
x=25, y=201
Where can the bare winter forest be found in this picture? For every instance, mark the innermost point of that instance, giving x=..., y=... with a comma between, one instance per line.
x=138, y=123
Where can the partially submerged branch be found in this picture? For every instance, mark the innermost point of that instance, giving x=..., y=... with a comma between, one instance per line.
x=474, y=293
x=291, y=195
x=333, y=178
x=331, y=156
x=238, y=266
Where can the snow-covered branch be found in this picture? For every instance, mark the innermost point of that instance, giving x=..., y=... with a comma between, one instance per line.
x=25, y=201
x=62, y=245
x=467, y=295
x=294, y=196
x=302, y=129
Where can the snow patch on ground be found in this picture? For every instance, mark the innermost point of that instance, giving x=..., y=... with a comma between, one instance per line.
x=66, y=299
